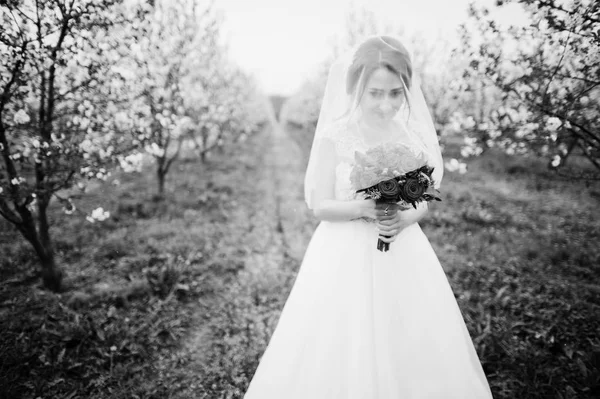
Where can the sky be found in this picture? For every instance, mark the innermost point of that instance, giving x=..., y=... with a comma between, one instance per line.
x=281, y=42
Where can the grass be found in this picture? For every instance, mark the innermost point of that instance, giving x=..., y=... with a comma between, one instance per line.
x=520, y=248
x=136, y=281
x=178, y=298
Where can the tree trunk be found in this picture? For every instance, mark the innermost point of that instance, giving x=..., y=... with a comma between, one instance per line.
x=52, y=275
x=482, y=110
x=160, y=174
x=570, y=148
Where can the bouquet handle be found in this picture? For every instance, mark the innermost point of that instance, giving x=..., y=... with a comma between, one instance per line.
x=382, y=245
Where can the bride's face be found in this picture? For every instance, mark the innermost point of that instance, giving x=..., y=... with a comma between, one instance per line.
x=383, y=96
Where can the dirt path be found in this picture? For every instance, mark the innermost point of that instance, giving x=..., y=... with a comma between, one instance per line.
x=270, y=225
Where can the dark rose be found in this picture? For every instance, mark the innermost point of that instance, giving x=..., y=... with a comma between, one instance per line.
x=389, y=188
x=412, y=190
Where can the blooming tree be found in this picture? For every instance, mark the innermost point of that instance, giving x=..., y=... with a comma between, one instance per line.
x=58, y=93
x=181, y=83
x=302, y=108
x=545, y=70
x=156, y=64
x=224, y=103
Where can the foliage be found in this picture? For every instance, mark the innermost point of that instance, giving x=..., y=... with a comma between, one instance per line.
x=524, y=269
x=184, y=86
x=159, y=64
x=88, y=87
x=61, y=112
x=226, y=107
x=543, y=70
x=138, y=281
x=302, y=108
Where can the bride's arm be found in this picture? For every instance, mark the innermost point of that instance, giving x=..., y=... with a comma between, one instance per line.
x=336, y=210
x=325, y=206
x=412, y=215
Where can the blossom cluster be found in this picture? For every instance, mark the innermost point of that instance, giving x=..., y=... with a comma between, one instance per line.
x=98, y=215
x=541, y=67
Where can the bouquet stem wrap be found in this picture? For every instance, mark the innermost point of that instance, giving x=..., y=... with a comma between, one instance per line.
x=382, y=245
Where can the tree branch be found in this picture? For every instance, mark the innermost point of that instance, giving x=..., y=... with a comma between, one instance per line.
x=47, y=124
x=175, y=155
x=8, y=213
x=554, y=6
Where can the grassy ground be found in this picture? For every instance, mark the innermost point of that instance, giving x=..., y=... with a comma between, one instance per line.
x=178, y=298
x=521, y=251
x=144, y=283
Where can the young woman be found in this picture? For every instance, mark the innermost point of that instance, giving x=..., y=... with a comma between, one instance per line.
x=360, y=323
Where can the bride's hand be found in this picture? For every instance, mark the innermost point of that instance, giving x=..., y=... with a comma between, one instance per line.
x=391, y=225
x=372, y=210
x=367, y=209
x=392, y=211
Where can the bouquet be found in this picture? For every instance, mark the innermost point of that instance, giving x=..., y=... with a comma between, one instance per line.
x=393, y=174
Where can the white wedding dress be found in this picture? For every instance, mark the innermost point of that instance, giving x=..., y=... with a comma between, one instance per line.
x=365, y=324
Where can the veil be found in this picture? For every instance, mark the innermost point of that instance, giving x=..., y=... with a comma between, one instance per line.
x=340, y=109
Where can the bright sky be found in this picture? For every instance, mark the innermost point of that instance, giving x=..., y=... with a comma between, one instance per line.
x=282, y=41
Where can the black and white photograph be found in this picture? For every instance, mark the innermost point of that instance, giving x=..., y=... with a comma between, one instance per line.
x=285, y=199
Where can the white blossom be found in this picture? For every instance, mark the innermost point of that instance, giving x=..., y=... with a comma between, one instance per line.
x=131, y=163
x=494, y=133
x=155, y=150
x=526, y=129
x=86, y=145
x=454, y=165
x=98, y=214
x=562, y=147
x=512, y=70
x=471, y=148
x=21, y=117
x=553, y=123
x=469, y=122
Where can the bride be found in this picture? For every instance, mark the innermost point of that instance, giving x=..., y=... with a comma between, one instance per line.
x=360, y=323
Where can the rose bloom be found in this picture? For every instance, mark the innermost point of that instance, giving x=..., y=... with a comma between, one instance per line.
x=389, y=189
x=412, y=190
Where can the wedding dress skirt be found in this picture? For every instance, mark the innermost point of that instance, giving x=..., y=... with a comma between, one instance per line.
x=365, y=324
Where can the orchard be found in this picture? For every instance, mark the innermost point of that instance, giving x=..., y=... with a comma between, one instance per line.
x=88, y=88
